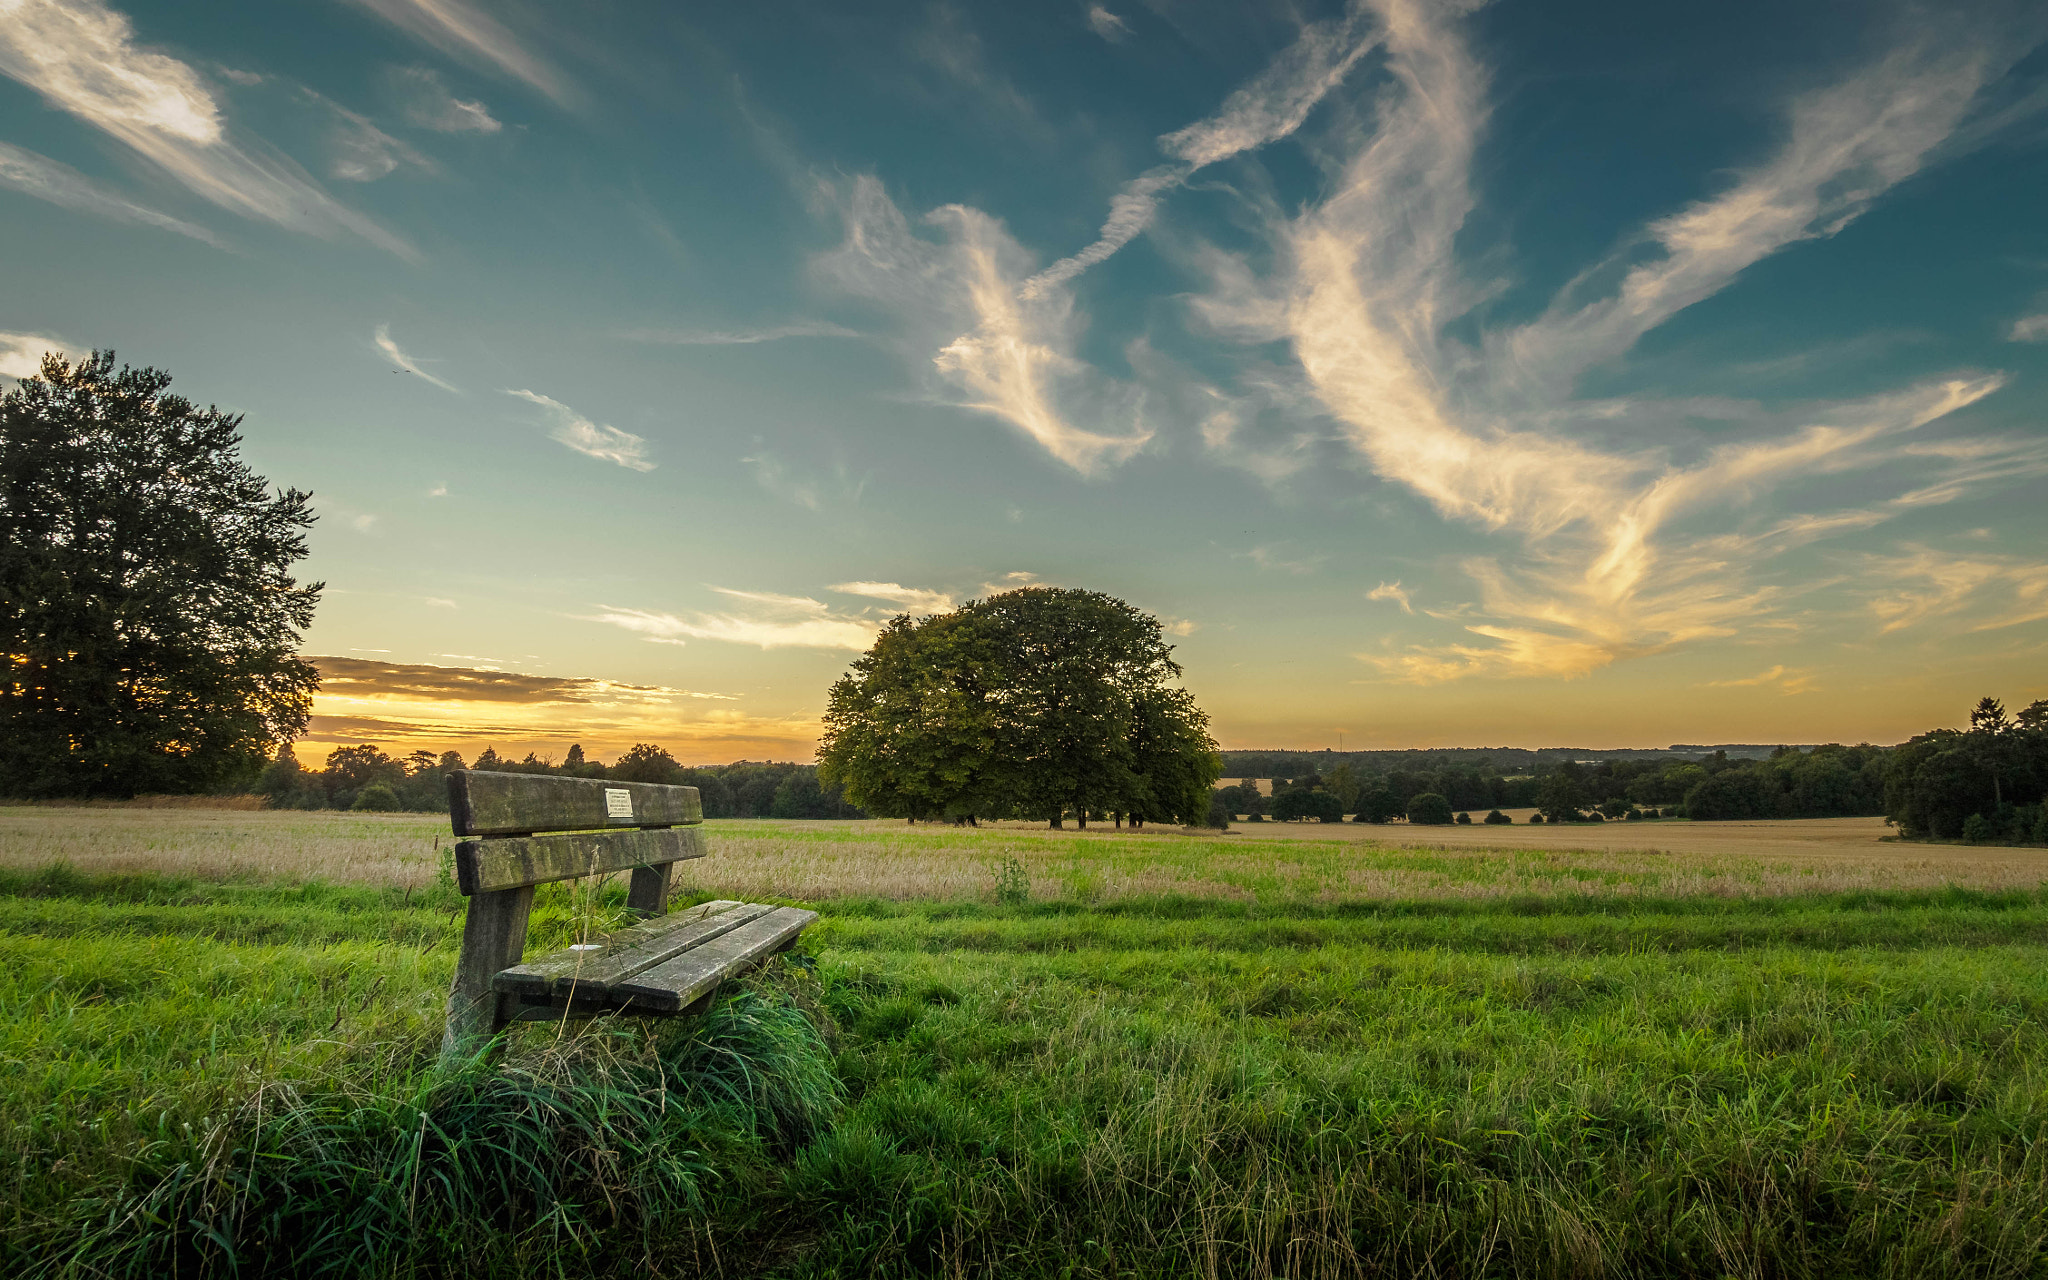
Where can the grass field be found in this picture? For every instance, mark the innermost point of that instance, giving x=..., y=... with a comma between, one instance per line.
x=1247, y=1055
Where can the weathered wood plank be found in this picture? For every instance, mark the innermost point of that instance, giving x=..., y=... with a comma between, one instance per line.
x=493, y=936
x=485, y=865
x=488, y=804
x=626, y=952
x=673, y=984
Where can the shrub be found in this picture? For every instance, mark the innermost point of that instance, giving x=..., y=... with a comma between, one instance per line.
x=1535, y=817
x=376, y=798
x=1464, y=819
x=1978, y=829
x=1013, y=883
x=1429, y=809
x=1496, y=818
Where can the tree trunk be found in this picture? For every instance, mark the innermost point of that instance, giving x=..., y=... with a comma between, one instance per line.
x=1080, y=817
x=1055, y=823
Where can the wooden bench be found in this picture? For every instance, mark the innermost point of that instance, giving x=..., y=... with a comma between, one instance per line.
x=533, y=828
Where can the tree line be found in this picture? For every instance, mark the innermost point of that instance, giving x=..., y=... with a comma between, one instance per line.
x=1987, y=784
x=365, y=779
x=1824, y=782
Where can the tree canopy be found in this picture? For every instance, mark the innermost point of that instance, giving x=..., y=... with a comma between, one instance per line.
x=1040, y=702
x=148, y=615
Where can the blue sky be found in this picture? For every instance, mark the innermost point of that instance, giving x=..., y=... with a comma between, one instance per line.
x=1443, y=374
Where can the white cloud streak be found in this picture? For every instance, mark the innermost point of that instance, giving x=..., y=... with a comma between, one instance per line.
x=909, y=599
x=392, y=351
x=765, y=621
x=606, y=443
x=82, y=57
x=739, y=337
x=1921, y=583
x=1367, y=281
x=364, y=153
x=465, y=32
x=1107, y=25
x=1393, y=591
x=427, y=102
x=1782, y=678
x=60, y=184
x=2029, y=329
x=1017, y=330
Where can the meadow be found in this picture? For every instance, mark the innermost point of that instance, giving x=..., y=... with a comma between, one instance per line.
x=1020, y=1052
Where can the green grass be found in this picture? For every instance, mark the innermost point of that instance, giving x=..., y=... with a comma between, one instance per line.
x=1630, y=1085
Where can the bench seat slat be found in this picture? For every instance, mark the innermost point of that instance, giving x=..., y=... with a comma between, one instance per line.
x=672, y=985
x=493, y=804
x=625, y=952
x=484, y=865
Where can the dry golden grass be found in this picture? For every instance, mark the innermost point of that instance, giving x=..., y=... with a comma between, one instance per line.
x=360, y=848
x=894, y=860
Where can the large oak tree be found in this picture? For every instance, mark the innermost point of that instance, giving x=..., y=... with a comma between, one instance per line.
x=149, y=621
x=1041, y=701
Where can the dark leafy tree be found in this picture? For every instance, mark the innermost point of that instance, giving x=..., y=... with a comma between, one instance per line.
x=148, y=617
x=1302, y=802
x=1563, y=794
x=1497, y=818
x=1040, y=701
x=1380, y=804
x=1429, y=809
x=644, y=762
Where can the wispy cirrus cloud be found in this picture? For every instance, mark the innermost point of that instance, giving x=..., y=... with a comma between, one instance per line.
x=740, y=337
x=465, y=32
x=1919, y=583
x=2032, y=328
x=606, y=443
x=1782, y=678
x=362, y=152
x=762, y=619
x=394, y=353
x=1393, y=591
x=1017, y=330
x=1365, y=283
x=1107, y=25
x=909, y=599
x=83, y=58
x=428, y=102
x=62, y=185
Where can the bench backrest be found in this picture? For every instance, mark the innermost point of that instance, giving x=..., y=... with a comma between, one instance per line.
x=608, y=826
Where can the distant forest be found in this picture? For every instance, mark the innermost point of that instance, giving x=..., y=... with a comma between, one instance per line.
x=364, y=778
x=1823, y=782
x=1984, y=785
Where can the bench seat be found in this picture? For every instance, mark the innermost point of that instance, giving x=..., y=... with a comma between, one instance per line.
x=664, y=966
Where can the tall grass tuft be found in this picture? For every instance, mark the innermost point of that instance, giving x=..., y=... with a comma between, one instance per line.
x=564, y=1158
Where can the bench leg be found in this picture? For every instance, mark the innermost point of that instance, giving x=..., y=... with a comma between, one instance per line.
x=493, y=939
x=648, y=894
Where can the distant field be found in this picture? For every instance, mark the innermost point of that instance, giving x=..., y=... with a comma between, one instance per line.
x=1251, y=1055
x=1265, y=862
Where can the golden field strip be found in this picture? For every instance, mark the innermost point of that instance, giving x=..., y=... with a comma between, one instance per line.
x=1267, y=862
